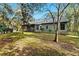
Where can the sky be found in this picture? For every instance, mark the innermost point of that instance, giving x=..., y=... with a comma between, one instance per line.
x=13, y=5
x=36, y=15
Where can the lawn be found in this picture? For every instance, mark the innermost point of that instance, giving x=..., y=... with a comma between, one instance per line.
x=37, y=44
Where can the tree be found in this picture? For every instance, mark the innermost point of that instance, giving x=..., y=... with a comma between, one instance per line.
x=27, y=11
x=5, y=12
x=60, y=8
x=59, y=15
x=72, y=15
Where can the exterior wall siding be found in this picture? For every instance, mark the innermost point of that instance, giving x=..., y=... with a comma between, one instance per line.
x=50, y=28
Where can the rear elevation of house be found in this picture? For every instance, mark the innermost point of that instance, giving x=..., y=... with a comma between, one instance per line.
x=48, y=25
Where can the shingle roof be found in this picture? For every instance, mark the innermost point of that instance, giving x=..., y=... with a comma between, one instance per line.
x=49, y=21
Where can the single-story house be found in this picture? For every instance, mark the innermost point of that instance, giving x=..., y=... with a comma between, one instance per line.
x=47, y=25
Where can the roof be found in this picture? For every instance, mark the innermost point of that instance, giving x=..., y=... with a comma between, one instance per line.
x=48, y=21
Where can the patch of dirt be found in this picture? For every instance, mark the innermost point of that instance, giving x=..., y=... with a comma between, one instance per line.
x=5, y=41
x=34, y=46
x=68, y=47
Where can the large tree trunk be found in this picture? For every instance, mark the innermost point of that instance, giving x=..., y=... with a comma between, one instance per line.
x=56, y=34
x=57, y=27
x=57, y=31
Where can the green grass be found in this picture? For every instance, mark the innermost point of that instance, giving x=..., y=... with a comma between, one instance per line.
x=14, y=36
x=50, y=37
x=41, y=44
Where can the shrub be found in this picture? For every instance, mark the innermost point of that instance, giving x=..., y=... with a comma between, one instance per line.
x=50, y=30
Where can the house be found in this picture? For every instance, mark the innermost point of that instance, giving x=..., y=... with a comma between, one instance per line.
x=50, y=26
x=47, y=25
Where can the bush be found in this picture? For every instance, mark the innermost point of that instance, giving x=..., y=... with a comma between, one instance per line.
x=50, y=30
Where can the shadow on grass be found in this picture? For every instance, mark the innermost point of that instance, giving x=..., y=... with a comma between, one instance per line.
x=10, y=38
x=34, y=51
x=30, y=51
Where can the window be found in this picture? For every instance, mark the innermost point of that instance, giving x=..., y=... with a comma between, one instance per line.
x=46, y=27
x=62, y=26
x=40, y=27
x=37, y=27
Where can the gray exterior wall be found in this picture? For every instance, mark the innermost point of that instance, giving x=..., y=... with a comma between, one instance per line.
x=49, y=28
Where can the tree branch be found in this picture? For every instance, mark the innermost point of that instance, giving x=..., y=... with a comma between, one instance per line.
x=64, y=8
x=51, y=15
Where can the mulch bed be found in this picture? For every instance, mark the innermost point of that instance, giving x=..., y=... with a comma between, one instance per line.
x=67, y=46
x=5, y=41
